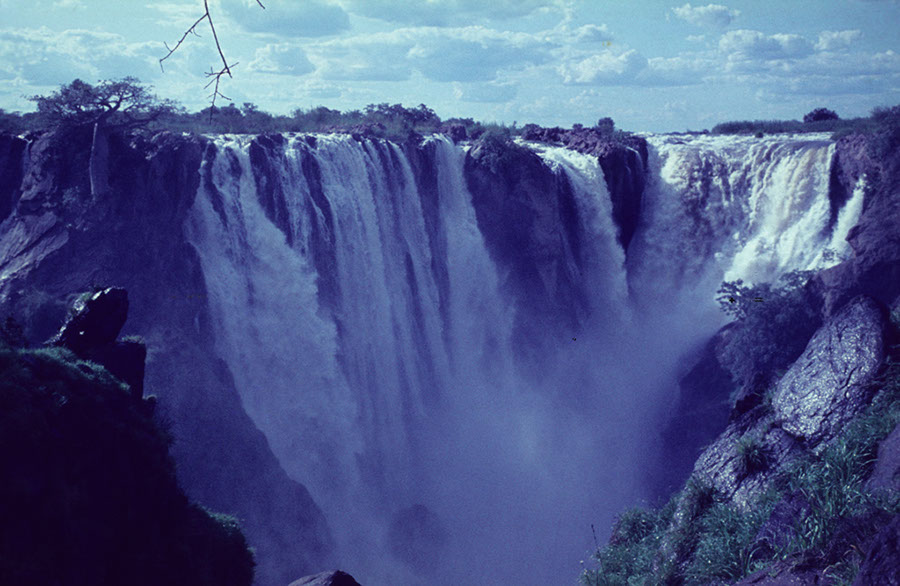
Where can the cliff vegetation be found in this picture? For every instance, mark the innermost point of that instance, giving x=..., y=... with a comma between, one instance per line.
x=89, y=495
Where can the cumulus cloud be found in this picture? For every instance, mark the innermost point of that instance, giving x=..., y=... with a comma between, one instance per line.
x=591, y=33
x=283, y=59
x=376, y=57
x=837, y=40
x=309, y=18
x=485, y=92
x=630, y=68
x=605, y=67
x=474, y=53
x=43, y=57
x=711, y=15
x=444, y=12
x=440, y=54
x=754, y=45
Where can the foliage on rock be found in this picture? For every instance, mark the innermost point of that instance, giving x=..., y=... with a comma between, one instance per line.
x=90, y=495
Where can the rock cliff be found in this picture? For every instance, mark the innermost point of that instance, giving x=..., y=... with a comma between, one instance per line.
x=61, y=238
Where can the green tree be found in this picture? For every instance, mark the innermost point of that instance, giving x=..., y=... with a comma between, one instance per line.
x=773, y=324
x=122, y=103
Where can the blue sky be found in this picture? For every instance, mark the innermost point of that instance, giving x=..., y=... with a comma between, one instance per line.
x=651, y=66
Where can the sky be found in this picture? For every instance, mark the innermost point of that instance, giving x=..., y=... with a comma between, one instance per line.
x=654, y=66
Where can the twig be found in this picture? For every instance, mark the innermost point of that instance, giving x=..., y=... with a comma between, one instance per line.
x=226, y=68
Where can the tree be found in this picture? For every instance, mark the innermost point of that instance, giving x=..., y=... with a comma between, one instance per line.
x=606, y=126
x=772, y=324
x=820, y=114
x=122, y=103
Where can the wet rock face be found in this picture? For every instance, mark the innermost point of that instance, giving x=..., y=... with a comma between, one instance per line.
x=823, y=390
x=529, y=221
x=58, y=241
x=624, y=163
x=826, y=386
x=874, y=269
x=12, y=149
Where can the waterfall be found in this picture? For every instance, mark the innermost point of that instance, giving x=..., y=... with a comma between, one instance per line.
x=371, y=340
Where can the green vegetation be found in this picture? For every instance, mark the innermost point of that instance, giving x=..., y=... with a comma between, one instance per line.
x=121, y=103
x=716, y=542
x=772, y=324
x=127, y=104
x=89, y=494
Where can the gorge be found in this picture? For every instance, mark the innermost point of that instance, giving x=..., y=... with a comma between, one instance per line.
x=425, y=361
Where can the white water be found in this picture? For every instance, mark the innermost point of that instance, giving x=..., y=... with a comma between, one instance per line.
x=383, y=401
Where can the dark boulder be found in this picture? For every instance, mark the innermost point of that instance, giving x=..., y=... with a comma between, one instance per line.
x=91, y=331
x=336, y=578
x=95, y=321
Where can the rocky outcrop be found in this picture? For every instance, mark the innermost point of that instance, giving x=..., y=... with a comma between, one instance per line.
x=61, y=239
x=701, y=414
x=337, y=578
x=90, y=495
x=624, y=163
x=91, y=332
x=874, y=268
x=528, y=217
x=886, y=472
x=825, y=388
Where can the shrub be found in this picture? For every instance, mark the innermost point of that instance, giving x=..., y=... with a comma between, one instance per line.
x=773, y=324
x=820, y=114
x=752, y=456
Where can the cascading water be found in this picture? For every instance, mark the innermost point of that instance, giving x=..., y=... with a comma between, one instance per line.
x=371, y=340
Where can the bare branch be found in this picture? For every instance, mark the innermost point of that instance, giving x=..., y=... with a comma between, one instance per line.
x=226, y=68
x=181, y=40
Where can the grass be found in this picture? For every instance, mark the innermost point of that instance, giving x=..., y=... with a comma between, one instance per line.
x=715, y=543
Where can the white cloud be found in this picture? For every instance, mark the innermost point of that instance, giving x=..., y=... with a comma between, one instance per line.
x=474, y=53
x=837, y=40
x=711, y=15
x=754, y=45
x=445, y=12
x=485, y=92
x=42, y=57
x=440, y=54
x=591, y=33
x=284, y=59
x=606, y=67
x=309, y=18
x=630, y=68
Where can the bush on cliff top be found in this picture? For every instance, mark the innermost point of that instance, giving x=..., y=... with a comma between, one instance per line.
x=89, y=495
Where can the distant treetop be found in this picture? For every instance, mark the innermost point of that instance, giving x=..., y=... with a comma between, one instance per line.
x=820, y=114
